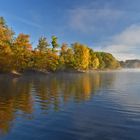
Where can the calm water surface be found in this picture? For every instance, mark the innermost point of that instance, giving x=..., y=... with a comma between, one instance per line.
x=92, y=106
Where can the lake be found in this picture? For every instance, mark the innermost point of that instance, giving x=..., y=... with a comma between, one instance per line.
x=74, y=106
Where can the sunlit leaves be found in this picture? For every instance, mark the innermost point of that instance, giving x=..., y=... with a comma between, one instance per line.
x=21, y=52
x=16, y=53
x=81, y=56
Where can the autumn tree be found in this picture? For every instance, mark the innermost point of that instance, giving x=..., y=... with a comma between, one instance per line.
x=93, y=60
x=5, y=59
x=53, y=61
x=16, y=54
x=22, y=52
x=63, y=55
x=6, y=38
x=81, y=56
x=45, y=59
x=40, y=54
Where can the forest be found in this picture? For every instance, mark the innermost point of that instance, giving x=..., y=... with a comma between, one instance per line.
x=17, y=54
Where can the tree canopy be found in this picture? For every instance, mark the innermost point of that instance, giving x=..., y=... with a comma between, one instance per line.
x=16, y=53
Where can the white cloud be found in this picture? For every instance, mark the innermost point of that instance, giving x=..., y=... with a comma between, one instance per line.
x=125, y=45
x=87, y=20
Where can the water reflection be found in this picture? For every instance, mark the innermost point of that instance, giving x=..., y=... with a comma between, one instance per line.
x=23, y=96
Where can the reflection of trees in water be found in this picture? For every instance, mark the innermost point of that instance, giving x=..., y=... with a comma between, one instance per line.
x=18, y=96
x=56, y=89
x=14, y=95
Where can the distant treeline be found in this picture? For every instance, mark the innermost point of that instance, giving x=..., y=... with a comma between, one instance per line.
x=130, y=63
x=16, y=53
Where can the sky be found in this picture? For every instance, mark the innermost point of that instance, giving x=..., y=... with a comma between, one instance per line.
x=104, y=25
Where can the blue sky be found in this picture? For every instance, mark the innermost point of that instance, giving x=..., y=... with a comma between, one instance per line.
x=105, y=25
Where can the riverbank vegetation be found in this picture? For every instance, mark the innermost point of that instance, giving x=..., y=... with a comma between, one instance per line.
x=17, y=54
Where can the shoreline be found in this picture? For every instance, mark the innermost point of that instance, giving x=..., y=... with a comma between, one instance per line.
x=14, y=74
x=42, y=72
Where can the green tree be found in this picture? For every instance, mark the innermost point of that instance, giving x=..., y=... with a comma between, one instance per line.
x=100, y=58
x=43, y=44
x=54, y=43
x=110, y=61
x=3, y=22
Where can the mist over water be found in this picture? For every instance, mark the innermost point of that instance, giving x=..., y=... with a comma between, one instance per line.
x=131, y=70
x=99, y=105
